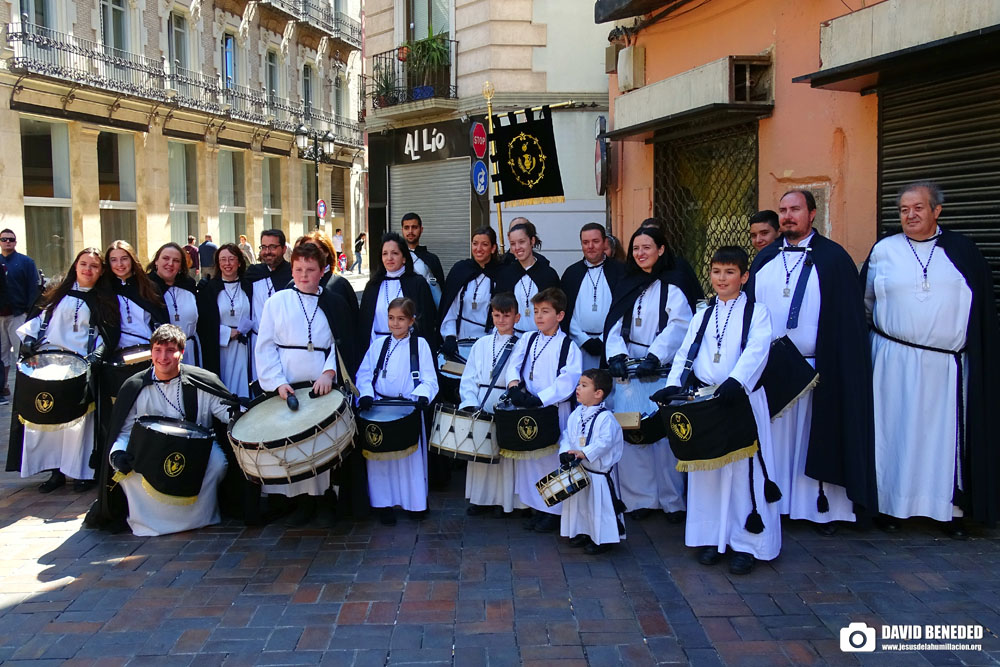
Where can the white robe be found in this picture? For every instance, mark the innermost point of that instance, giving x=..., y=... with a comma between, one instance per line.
x=589, y=312
x=136, y=323
x=524, y=289
x=915, y=401
x=591, y=511
x=147, y=516
x=232, y=353
x=648, y=473
x=403, y=481
x=790, y=432
x=387, y=292
x=718, y=501
x=182, y=311
x=553, y=386
x=283, y=322
x=67, y=449
x=487, y=484
x=473, y=324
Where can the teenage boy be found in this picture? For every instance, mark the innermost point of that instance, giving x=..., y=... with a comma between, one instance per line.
x=551, y=365
x=731, y=506
x=593, y=436
x=483, y=381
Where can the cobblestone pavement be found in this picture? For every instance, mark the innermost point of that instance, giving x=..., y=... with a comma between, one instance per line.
x=465, y=591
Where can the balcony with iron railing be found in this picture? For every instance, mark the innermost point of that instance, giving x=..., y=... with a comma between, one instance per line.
x=287, y=7
x=195, y=90
x=421, y=71
x=244, y=103
x=346, y=131
x=320, y=14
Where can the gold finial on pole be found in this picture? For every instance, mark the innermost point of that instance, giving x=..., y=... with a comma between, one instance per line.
x=488, y=91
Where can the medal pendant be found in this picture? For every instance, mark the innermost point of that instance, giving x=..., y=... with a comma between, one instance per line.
x=717, y=358
x=474, y=305
x=309, y=347
x=786, y=292
x=583, y=441
x=638, y=321
x=177, y=317
x=75, y=329
x=594, y=307
x=232, y=312
x=129, y=319
x=527, y=313
x=926, y=285
x=531, y=375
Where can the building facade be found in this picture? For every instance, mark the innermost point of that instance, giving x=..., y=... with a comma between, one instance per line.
x=152, y=120
x=427, y=61
x=721, y=106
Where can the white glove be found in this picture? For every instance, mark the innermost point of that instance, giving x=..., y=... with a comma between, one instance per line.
x=246, y=324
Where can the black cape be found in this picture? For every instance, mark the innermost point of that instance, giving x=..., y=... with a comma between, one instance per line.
x=130, y=290
x=541, y=273
x=432, y=262
x=108, y=325
x=461, y=275
x=842, y=433
x=237, y=497
x=209, y=321
x=981, y=458
x=414, y=287
x=574, y=276
x=281, y=277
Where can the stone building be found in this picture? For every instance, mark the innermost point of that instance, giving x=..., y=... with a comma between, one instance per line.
x=152, y=120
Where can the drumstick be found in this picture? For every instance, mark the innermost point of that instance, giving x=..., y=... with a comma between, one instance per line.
x=292, y=402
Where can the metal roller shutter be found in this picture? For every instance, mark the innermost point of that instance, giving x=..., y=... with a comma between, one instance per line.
x=949, y=132
x=440, y=193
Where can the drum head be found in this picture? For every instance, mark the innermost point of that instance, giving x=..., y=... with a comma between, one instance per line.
x=272, y=421
x=52, y=366
x=385, y=413
x=175, y=428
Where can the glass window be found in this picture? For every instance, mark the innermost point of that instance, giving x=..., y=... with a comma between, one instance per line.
x=307, y=82
x=232, y=199
x=229, y=70
x=177, y=40
x=338, y=96
x=116, y=186
x=271, y=183
x=114, y=24
x=47, y=204
x=271, y=72
x=183, y=166
x=37, y=12
x=427, y=17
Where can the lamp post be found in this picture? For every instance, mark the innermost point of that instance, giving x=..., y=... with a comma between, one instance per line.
x=322, y=145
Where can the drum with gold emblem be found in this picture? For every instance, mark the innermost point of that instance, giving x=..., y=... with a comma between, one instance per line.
x=52, y=388
x=706, y=433
x=526, y=433
x=172, y=457
x=390, y=429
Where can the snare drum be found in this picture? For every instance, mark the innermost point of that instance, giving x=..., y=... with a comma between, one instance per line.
x=559, y=485
x=464, y=434
x=450, y=372
x=276, y=445
x=389, y=432
x=635, y=411
x=52, y=388
x=122, y=365
x=527, y=433
x=706, y=434
x=172, y=457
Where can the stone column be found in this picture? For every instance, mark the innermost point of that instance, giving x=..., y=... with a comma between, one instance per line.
x=12, y=180
x=208, y=190
x=325, y=175
x=84, y=184
x=152, y=183
x=253, y=164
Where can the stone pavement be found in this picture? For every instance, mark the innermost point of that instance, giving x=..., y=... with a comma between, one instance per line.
x=465, y=591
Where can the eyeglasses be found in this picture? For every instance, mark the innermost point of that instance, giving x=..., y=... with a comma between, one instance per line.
x=272, y=246
x=8, y=239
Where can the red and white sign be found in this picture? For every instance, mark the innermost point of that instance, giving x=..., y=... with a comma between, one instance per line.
x=320, y=208
x=479, y=140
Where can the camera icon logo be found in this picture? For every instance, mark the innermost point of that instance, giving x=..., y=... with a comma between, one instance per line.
x=857, y=638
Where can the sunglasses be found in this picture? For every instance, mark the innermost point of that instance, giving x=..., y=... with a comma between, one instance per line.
x=8, y=239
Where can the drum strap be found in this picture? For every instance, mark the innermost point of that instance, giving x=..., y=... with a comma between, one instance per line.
x=508, y=348
x=414, y=359
x=800, y=291
x=563, y=354
x=189, y=394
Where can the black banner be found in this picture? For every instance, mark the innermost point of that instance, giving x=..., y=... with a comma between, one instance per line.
x=525, y=157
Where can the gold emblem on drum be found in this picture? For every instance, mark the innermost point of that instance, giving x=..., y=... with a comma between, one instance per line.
x=527, y=428
x=173, y=465
x=44, y=402
x=373, y=435
x=681, y=426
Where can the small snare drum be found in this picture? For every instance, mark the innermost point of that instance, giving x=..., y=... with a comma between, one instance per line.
x=559, y=485
x=464, y=434
x=52, y=388
x=389, y=430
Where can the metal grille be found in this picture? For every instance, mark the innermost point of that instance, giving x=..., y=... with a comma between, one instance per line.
x=705, y=188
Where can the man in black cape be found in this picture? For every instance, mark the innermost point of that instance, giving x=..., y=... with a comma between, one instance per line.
x=840, y=436
x=264, y=279
x=425, y=262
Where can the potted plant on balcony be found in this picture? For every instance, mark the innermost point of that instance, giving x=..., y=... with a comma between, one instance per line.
x=426, y=58
x=384, y=80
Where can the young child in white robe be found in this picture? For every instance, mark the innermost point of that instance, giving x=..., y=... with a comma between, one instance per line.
x=544, y=369
x=403, y=481
x=734, y=506
x=593, y=437
x=490, y=484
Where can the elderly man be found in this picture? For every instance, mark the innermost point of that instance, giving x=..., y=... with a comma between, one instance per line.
x=929, y=298
x=823, y=452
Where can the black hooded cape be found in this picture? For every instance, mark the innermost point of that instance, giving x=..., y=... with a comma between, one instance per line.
x=432, y=262
x=281, y=277
x=209, y=321
x=981, y=458
x=573, y=277
x=541, y=273
x=842, y=433
x=414, y=287
x=461, y=275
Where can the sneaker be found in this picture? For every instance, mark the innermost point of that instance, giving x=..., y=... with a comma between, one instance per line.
x=5, y=399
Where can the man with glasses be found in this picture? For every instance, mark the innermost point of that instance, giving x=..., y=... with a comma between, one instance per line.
x=266, y=278
x=22, y=292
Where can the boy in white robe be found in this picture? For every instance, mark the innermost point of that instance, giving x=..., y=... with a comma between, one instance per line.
x=544, y=382
x=594, y=437
x=402, y=481
x=490, y=484
x=722, y=508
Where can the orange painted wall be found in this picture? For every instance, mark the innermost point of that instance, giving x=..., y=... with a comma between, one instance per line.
x=814, y=137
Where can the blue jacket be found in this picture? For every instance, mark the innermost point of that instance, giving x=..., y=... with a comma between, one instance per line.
x=22, y=282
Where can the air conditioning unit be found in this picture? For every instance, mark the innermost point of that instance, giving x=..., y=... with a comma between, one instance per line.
x=631, y=68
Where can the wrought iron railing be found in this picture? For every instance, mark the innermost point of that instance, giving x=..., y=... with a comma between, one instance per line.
x=194, y=89
x=284, y=114
x=46, y=52
x=346, y=131
x=245, y=103
x=397, y=77
x=319, y=15
x=290, y=7
x=348, y=29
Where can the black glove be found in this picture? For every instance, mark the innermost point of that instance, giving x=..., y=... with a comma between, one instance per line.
x=729, y=390
x=422, y=402
x=516, y=395
x=531, y=401
x=566, y=458
x=666, y=394
x=365, y=403
x=617, y=367
x=449, y=347
x=649, y=366
x=593, y=346
x=122, y=462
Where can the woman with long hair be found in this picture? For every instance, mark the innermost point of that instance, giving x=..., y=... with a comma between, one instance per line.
x=359, y=247
x=650, y=311
x=465, y=302
x=527, y=274
x=169, y=272
x=140, y=306
x=224, y=319
x=78, y=315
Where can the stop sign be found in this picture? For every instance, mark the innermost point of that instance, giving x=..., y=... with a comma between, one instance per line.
x=479, y=140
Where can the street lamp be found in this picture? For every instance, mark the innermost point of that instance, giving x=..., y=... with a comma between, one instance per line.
x=321, y=145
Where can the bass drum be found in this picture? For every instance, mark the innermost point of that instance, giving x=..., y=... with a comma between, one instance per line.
x=122, y=365
x=389, y=432
x=52, y=388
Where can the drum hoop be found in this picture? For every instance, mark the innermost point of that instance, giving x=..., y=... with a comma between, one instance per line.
x=310, y=432
x=313, y=471
x=148, y=419
x=69, y=353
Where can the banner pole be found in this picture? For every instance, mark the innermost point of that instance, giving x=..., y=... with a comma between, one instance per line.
x=488, y=92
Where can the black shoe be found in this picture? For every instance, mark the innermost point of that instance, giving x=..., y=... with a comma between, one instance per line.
x=579, y=541
x=56, y=480
x=709, y=556
x=676, y=517
x=955, y=529
x=530, y=523
x=640, y=514
x=84, y=485
x=886, y=523
x=547, y=523
x=476, y=510
x=387, y=516
x=826, y=529
x=594, y=549
x=416, y=516
x=741, y=563
x=305, y=510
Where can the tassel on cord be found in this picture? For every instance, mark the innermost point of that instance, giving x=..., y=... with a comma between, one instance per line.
x=822, y=504
x=772, y=493
x=754, y=524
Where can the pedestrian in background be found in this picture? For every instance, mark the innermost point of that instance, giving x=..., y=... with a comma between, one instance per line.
x=359, y=246
x=21, y=292
x=194, y=258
